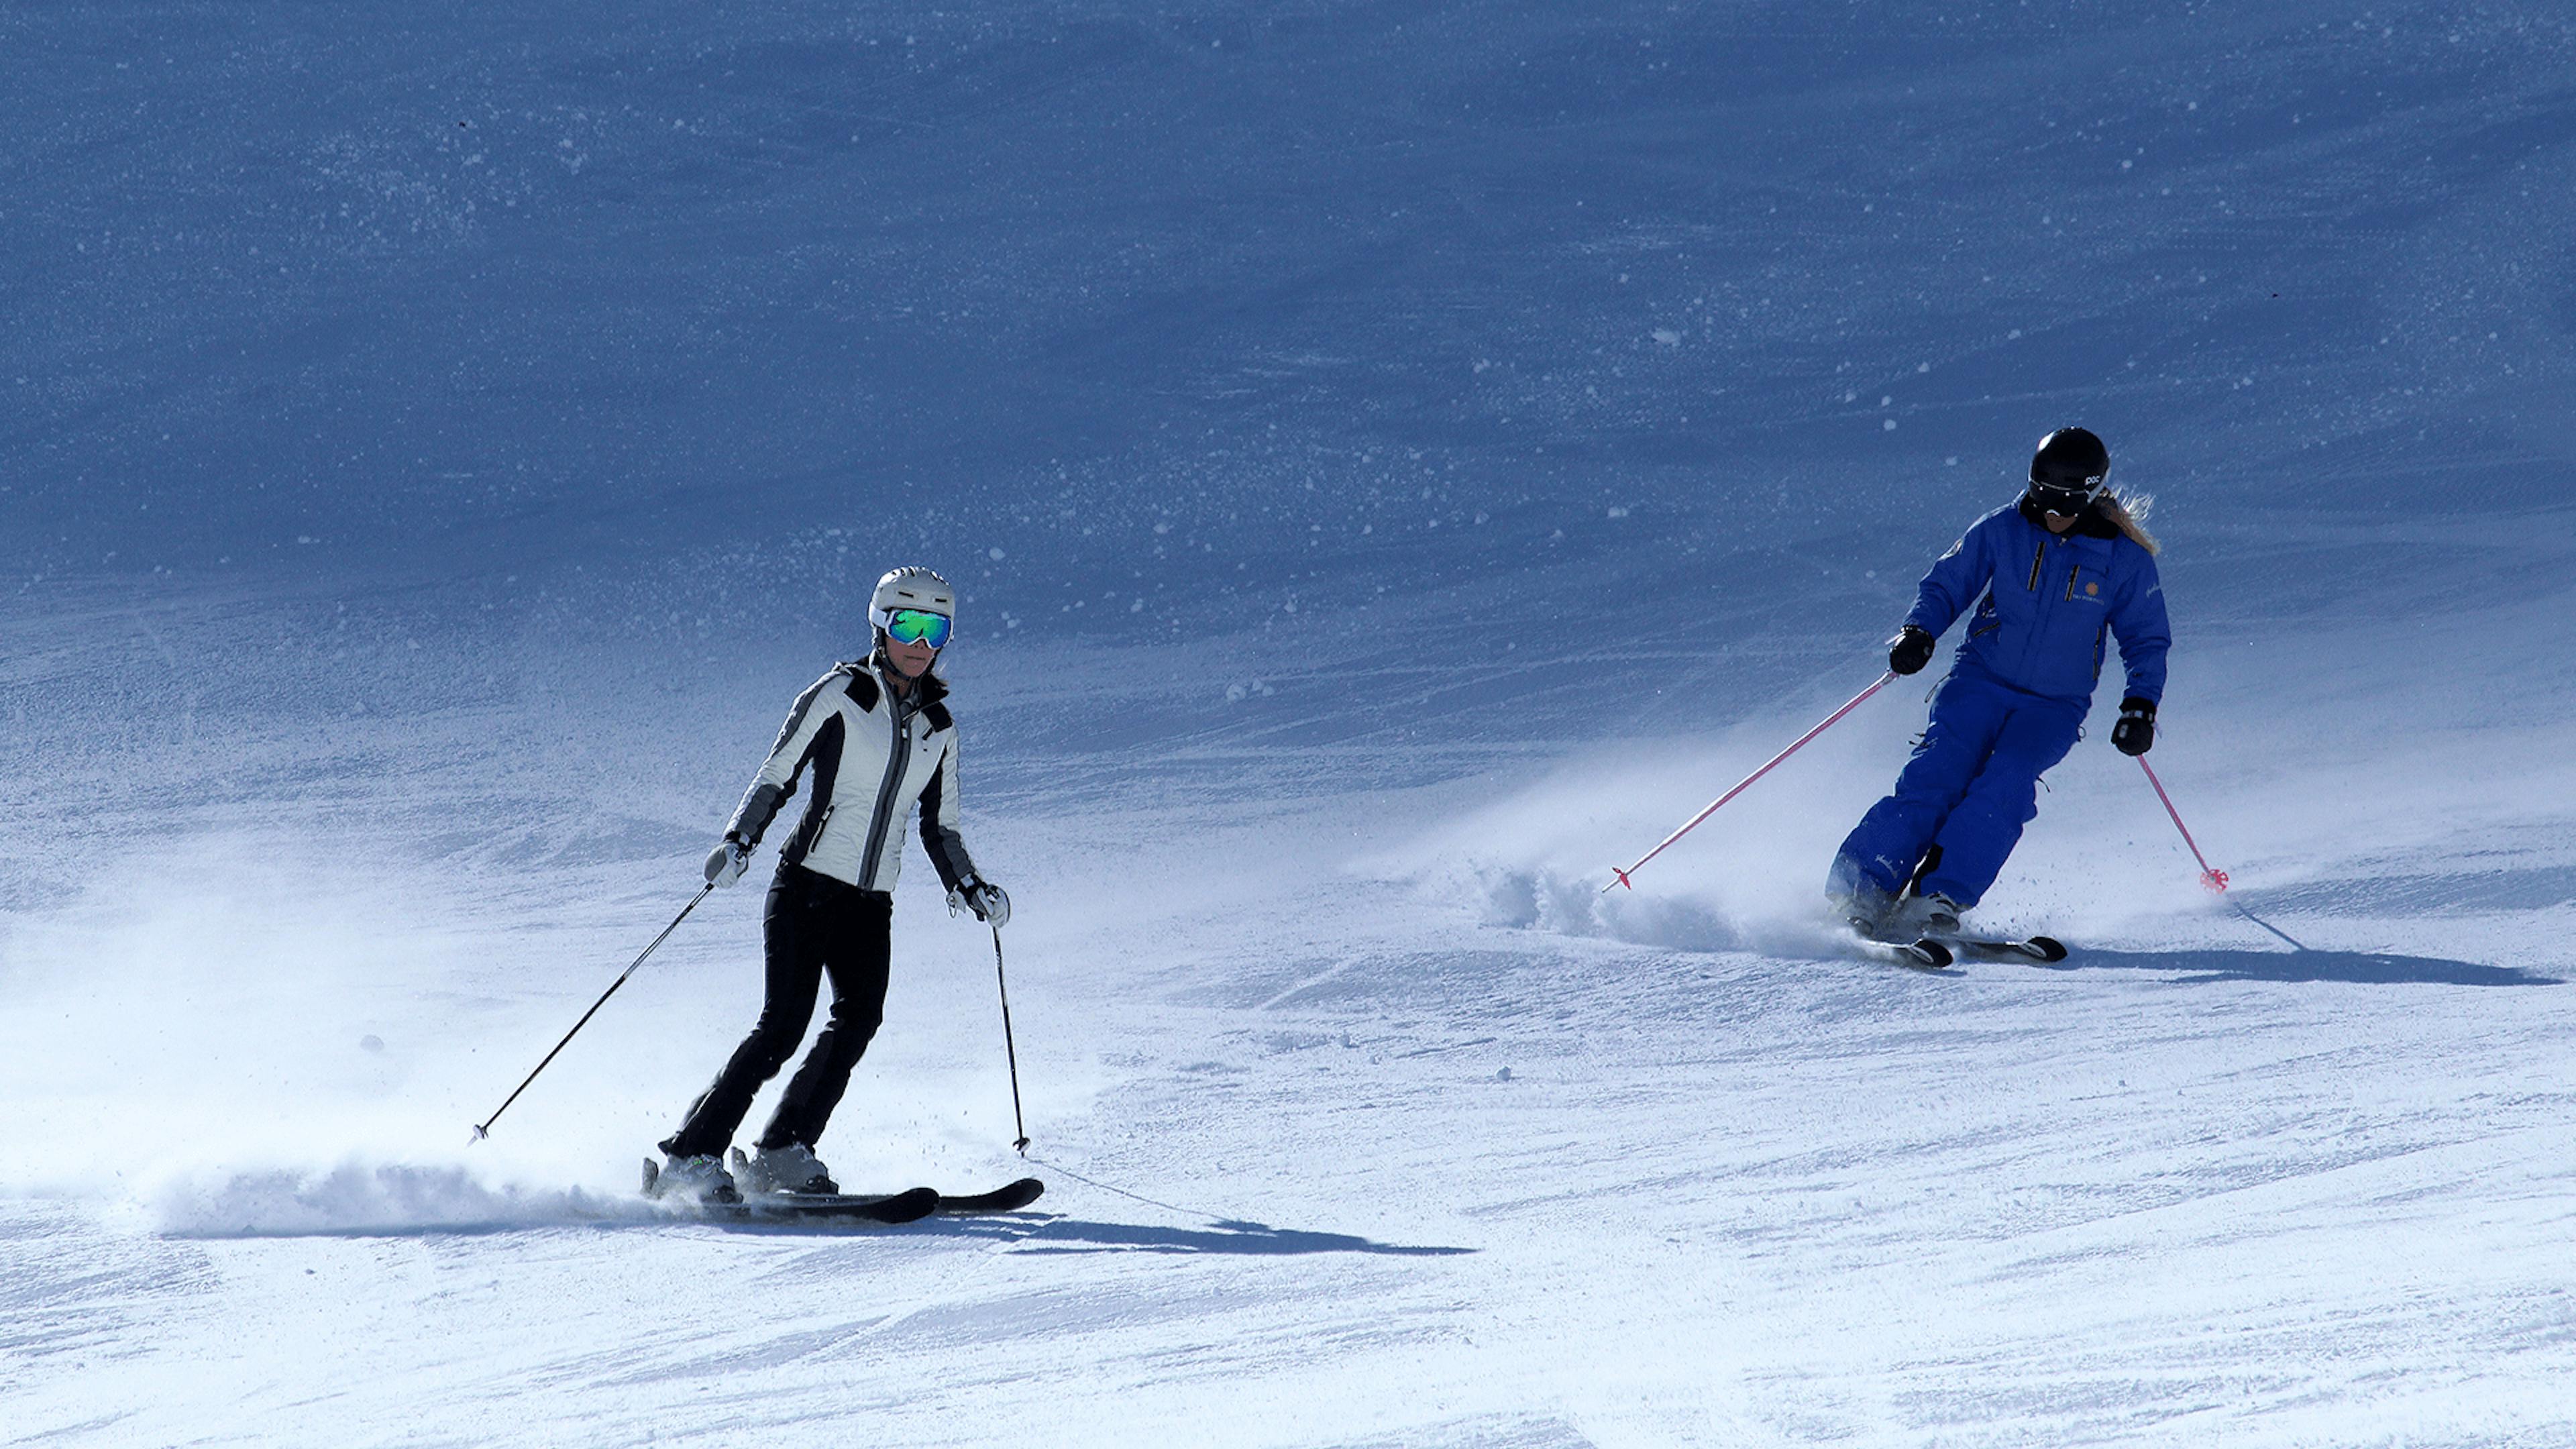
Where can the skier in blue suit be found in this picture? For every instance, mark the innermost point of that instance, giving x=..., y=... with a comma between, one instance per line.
x=2051, y=578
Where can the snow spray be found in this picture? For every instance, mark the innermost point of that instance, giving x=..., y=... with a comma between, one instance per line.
x=483, y=1129
x=1741, y=785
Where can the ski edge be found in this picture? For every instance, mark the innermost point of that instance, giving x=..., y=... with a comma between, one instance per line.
x=908, y=1206
x=2033, y=948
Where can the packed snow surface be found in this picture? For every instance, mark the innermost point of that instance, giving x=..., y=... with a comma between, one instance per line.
x=1398, y=462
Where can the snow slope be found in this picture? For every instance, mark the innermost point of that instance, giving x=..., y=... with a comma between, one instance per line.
x=1399, y=460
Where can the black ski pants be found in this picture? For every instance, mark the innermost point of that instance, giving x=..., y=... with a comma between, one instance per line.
x=812, y=925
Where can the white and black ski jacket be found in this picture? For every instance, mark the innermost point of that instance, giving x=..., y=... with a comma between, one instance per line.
x=873, y=752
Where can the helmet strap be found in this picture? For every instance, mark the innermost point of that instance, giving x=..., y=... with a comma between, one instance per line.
x=883, y=659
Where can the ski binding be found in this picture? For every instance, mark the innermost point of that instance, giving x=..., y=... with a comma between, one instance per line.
x=911, y=1205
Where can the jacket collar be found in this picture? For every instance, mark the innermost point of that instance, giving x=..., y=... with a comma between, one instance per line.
x=928, y=690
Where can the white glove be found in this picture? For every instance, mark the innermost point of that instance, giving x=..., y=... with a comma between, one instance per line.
x=725, y=862
x=988, y=901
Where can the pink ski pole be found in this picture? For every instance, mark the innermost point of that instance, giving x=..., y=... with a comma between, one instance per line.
x=1740, y=785
x=2214, y=879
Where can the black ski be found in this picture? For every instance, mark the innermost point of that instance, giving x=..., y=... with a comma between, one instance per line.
x=907, y=1206
x=1924, y=954
x=2030, y=948
x=1008, y=1199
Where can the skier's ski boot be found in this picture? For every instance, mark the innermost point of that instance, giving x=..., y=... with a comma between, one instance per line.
x=1940, y=915
x=1932, y=915
x=792, y=1168
x=703, y=1178
x=1862, y=903
x=1867, y=909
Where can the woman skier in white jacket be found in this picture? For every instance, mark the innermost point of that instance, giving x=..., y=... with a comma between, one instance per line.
x=874, y=737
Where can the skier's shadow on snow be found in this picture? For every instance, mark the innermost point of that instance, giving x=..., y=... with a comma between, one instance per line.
x=2355, y=967
x=1260, y=1240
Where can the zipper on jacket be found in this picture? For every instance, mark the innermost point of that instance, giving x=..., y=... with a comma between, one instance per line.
x=2070, y=579
x=2036, y=559
x=814, y=837
x=896, y=755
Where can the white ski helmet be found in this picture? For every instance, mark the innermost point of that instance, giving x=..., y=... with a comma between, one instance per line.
x=911, y=587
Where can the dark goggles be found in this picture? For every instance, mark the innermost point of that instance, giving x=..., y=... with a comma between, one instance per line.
x=2064, y=500
x=918, y=626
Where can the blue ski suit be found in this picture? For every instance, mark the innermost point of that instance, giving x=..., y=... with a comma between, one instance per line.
x=2016, y=696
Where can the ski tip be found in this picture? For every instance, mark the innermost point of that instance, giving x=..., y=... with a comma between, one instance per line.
x=2047, y=948
x=1932, y=953
x=1009, y=1198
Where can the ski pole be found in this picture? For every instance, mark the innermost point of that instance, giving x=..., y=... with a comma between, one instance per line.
x=1010, y=1051
x=1794, y=746
x=2214, y=879
x=485, y=1130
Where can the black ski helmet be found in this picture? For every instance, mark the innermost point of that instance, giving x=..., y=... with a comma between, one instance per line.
x=2067, y=470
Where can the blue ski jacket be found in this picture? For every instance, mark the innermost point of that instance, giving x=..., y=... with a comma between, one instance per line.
x=2050, y=602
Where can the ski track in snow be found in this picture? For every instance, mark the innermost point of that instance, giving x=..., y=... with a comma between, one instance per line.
x=1376, y=1165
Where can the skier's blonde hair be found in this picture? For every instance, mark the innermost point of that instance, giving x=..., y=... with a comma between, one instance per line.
x=2109, y=506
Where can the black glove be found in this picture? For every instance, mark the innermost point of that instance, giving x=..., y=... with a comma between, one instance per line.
x=2135, y=734
x=1909, y=651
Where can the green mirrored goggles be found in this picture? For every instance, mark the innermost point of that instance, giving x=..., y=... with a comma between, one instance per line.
x=918, y=626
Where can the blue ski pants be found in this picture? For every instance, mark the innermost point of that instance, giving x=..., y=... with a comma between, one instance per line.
x=1972, y=785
